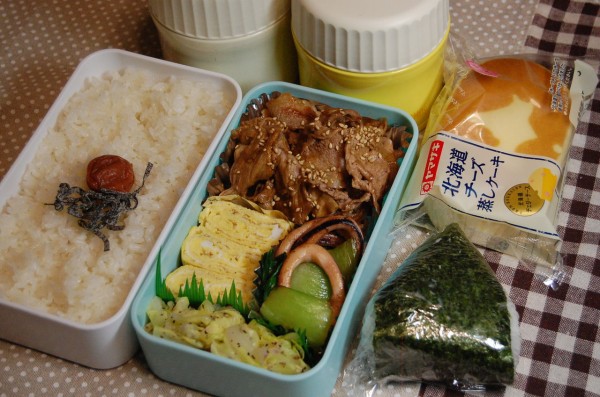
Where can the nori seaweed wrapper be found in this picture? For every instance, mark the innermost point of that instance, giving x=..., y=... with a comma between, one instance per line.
x=442, y=317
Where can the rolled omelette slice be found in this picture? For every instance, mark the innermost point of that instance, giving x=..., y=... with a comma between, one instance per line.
x=227, y=244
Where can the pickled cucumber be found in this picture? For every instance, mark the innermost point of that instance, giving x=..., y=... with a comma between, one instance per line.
x=297, y=310
x=311, y=279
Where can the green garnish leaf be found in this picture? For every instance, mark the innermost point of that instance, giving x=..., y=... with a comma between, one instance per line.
x=234, y=299
x=311, y=357
x=194, y=291
x=196, y=294
x=267, y=274
x=161, y=287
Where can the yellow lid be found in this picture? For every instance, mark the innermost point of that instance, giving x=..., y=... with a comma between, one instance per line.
x=370, y=36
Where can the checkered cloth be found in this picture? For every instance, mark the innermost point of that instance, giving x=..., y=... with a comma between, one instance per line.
x=560, y=352
x=560, y=346
x=566, y=27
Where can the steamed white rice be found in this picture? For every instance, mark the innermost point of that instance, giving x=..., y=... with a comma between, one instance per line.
x=47, y=261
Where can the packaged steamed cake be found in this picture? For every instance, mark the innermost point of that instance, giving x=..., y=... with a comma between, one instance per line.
x=494, y=155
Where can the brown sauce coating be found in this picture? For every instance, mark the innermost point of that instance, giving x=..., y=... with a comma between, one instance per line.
x=110, y=172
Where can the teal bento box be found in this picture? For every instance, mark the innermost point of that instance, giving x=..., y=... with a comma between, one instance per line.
x=215, y=375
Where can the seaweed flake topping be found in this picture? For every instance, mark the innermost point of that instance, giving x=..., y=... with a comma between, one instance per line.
x=97, y=210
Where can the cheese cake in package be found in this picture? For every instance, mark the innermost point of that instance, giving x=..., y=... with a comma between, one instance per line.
x=494, y=154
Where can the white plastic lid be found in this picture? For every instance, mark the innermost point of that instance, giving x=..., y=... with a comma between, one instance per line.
x=369, y=36
x=217, y=19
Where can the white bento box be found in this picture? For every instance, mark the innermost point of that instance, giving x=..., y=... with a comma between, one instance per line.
x=111, y=342
x=209, y=373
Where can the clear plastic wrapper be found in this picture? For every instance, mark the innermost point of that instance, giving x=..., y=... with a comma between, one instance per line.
x=441, y=318
x=494, y=153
